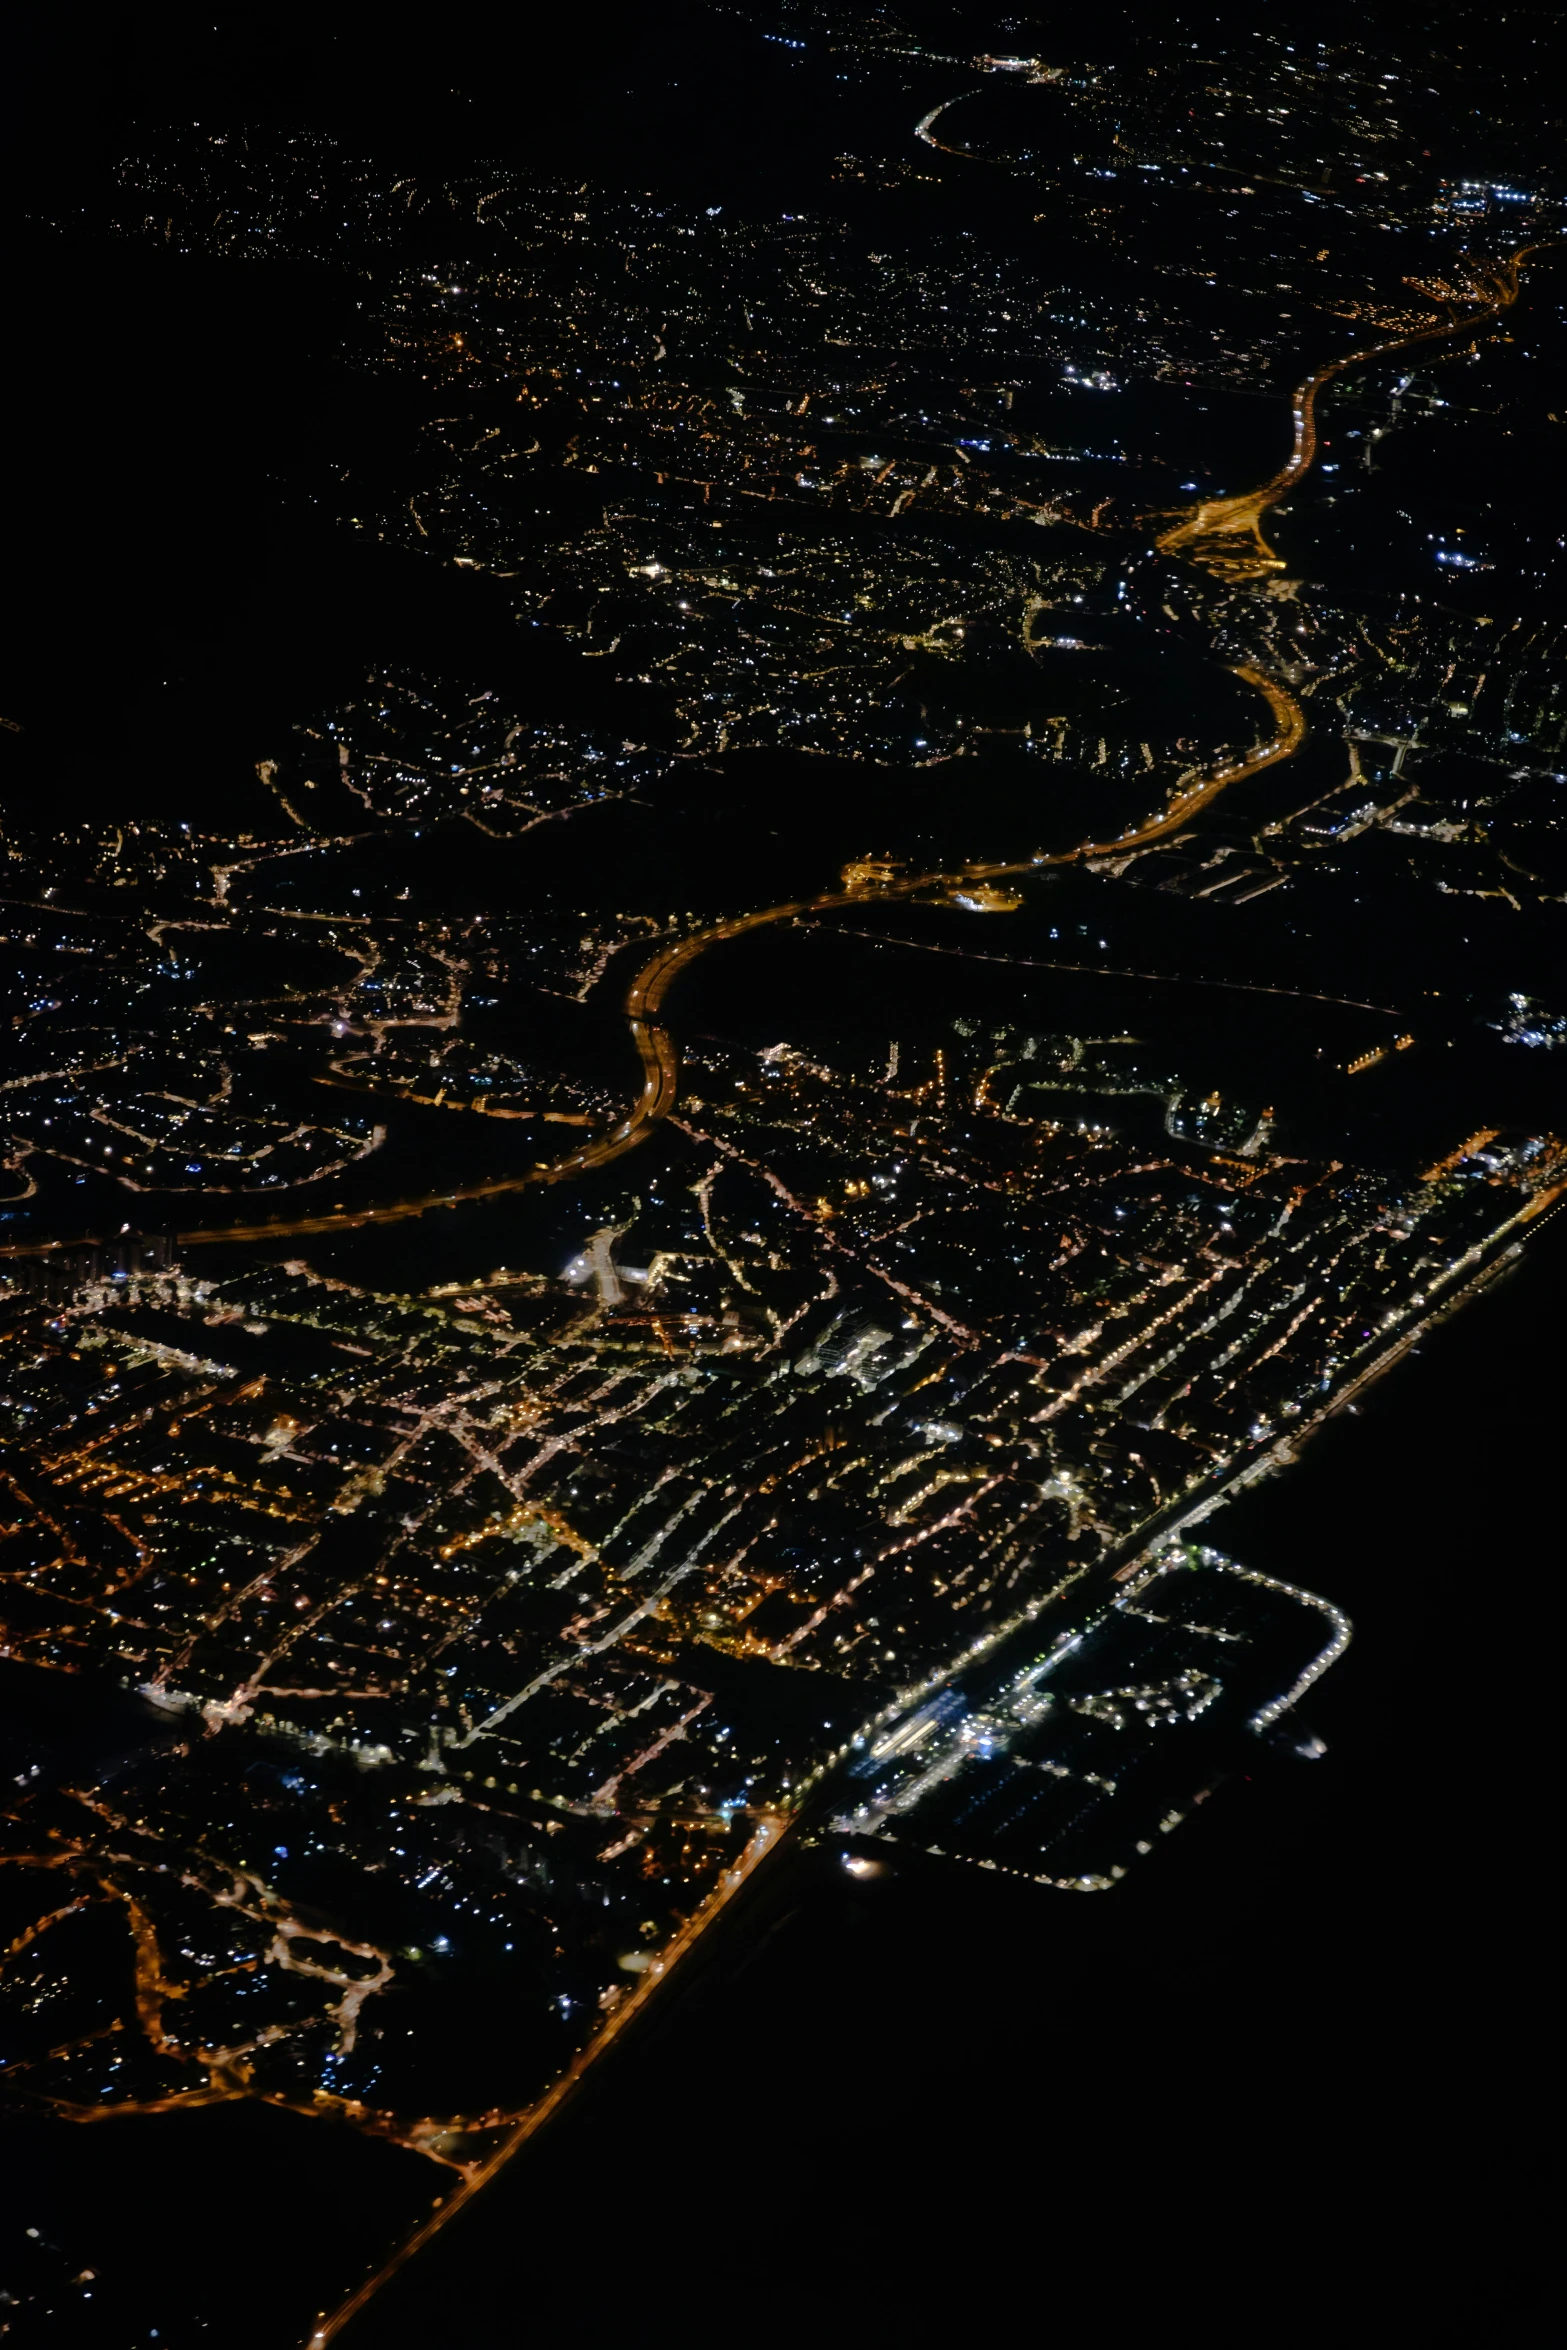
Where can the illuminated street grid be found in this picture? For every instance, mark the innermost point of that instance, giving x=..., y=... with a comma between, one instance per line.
x=859, y=1379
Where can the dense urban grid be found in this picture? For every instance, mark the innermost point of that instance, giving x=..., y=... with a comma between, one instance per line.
x=599, y=1271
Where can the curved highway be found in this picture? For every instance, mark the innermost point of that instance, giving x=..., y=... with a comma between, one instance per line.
x=650, y=984
x=1206, y=537
x=1208, y=534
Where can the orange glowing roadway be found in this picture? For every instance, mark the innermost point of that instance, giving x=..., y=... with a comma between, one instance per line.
x=770, y=1832
x=645, y=996
x=1224, y=535
x=1204, y=537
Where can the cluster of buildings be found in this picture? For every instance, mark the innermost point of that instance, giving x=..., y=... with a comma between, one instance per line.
x=492, y=1621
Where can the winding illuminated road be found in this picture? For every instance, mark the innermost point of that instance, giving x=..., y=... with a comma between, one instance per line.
x=645, y=995
x=1224, y=535
x=1221, y=535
